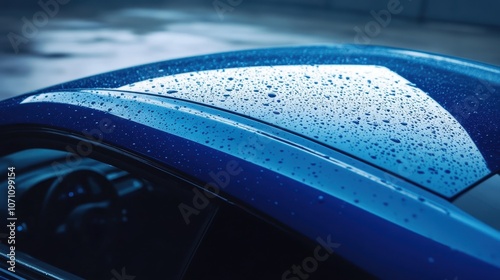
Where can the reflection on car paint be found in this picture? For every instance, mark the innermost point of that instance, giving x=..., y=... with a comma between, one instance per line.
x=367, y=111
x=285, y=156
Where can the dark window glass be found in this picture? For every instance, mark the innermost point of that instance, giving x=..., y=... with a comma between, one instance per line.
x=482, y=201
x=240, y=246
x=100, y=222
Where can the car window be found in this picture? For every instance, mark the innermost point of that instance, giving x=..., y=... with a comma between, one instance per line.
x=239, y=245
x=481, y=201
x=97, y=221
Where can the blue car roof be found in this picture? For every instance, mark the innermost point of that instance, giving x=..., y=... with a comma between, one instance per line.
x=318, y=190
x=429, y=119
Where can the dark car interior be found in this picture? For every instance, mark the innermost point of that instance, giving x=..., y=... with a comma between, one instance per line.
x=97, y=221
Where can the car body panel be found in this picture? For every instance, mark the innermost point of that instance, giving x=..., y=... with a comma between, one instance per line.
x=468, y=90
x=383, y=223
x=387, y=122
x=291, y=192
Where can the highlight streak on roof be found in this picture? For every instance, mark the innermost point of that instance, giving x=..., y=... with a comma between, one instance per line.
x=367, y=111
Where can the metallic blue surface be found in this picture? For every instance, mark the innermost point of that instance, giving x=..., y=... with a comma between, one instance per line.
x=468, y=90
x=385, y=224
x=367, y=111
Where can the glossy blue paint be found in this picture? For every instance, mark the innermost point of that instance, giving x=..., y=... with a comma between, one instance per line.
x=387, y=122
x=387, y=225
x=467, y=90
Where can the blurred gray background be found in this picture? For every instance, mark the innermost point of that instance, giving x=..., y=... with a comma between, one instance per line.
x=45, y=42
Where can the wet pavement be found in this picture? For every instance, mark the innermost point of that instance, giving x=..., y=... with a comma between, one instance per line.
x=79, y=41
